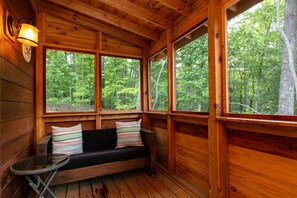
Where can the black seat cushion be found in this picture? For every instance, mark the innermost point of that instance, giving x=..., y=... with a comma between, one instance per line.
x=94, y=140
x=104, y=156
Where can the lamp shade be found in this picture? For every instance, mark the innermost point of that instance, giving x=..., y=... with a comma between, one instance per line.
x=28, y=35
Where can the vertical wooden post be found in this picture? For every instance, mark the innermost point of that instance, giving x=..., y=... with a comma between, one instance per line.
x=40, y=19
x=144, y=88
x=217, y=137
x=97, y=70
x=171, y=136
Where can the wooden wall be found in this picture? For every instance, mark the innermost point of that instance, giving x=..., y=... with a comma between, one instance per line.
x=17, y=103
x=262, y=162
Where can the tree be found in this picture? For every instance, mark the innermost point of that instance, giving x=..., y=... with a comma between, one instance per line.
x=288, y=75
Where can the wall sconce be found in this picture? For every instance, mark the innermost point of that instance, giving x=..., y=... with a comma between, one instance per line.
x=27, y=33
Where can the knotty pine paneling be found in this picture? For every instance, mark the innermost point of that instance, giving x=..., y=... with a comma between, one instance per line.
x=67, y=34
x=191, y=154
x=17, y=137
x=262, y=165
x=114, y=46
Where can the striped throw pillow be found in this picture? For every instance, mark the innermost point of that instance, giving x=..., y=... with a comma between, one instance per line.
x=67, y=140
x=128, y=134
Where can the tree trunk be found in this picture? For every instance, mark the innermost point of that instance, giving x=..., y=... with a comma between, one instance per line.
x=286, y=92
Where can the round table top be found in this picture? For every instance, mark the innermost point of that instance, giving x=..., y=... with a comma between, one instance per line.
x=39, y=164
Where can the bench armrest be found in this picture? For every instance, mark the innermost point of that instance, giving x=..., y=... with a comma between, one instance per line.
x=43, y=145
x=149, y=139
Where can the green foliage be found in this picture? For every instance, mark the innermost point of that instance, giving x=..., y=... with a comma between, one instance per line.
x=69, y=81
x=191, y=70
x=120, y=83
x=254, y=60
x=159, y=84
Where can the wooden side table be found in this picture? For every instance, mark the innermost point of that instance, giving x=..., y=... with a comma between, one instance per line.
x=32, y=167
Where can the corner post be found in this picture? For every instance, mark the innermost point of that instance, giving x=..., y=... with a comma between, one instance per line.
x=217, y=136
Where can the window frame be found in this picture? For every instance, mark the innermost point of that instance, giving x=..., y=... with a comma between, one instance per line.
x=245, y=5
x=174, y=110
x=100, y=101
x=45, y=113
x=149, y=83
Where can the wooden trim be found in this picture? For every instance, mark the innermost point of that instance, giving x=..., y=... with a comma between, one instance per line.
x=161, y=112
x=69, y=118
x=102, y=15
x=59, y=46
x=227, y=3
x=120, y=54
x=258, y=121
x=145, y=88
x=117, y=112
x=225, y=87
x=40, y=19
x=149, y=88
x=170, y=127
x=74, y=114
x=217, y=136
x=97, y=94
x=72, y=175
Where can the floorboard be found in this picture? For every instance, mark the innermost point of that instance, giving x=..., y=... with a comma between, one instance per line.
x=136, y=183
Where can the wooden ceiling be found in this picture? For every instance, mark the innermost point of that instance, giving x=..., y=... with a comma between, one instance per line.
x=136, y=21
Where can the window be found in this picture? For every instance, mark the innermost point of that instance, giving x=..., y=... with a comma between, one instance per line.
x=69, y=81
x=191, y=71
x=120, y=83
x=158, y=81
x=260, y=80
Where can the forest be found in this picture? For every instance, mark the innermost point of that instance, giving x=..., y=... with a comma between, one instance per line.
x=257, y=79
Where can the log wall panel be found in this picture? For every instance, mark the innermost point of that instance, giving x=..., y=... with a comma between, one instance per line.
x=17, y=136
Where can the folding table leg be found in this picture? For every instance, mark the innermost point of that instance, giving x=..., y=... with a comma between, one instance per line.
x=41, y=186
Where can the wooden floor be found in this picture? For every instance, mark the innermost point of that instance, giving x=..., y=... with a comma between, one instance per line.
x=134, y=183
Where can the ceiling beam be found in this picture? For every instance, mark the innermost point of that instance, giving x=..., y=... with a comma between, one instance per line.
x=107, y=17
x=93, y=24
x=140, y=12
x=178, y=5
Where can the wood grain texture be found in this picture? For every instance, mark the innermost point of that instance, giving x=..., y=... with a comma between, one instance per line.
x=258, y=174
x=98, y=170
x=217, y=136
x=107, y=17
x=135, y=183
x=191, y=129
x=92, y=24
x=160, y=123
x=17, y=104
x=271, y=144
x=86, y=125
